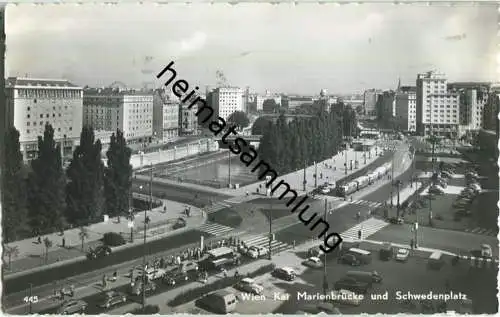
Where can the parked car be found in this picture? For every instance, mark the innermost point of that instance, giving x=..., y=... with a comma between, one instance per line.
x=284, y=273
x=436, y=190
x=99, y=252
x=248, y=285
x=73, y=307
x=346, y=297
x=112, y=298
x=189, y=267
x=349, y=259
x=352, y=285
x=179, y=223
x=256, y=252
x=313, y=262
x=137, y=288
x=402, y=255
x=315, y=251
x=396, y=221
x=175, y=277
x=152, y=273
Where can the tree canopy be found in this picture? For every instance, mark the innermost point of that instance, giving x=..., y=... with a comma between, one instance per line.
x=13, y=188
x=239, y=119
x=117, y=176
x=261, y=125
x=46, y=186
x=270, y=106
x=84, y=191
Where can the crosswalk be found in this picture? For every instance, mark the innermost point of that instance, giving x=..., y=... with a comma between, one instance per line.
x=262, y=240
x=216, y=207
x=367, y=227
x=483, y=231
x=214, y=229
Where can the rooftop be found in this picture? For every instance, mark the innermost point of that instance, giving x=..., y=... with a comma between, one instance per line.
x=115, y=92
x=38, y=82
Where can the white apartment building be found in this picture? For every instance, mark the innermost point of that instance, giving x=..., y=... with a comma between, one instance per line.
x=165, y=116
x=111, y=109
x=226, y=100
x=437, y=108
x=32, y=103
x=406, y=108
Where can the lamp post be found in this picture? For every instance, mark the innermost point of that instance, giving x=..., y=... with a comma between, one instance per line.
x=325, y=279
x=304, y=181
x=229, y=155
x=145, y=225
x=270, y=223
x=398, y=184
x=392, y=174
x=346, y=158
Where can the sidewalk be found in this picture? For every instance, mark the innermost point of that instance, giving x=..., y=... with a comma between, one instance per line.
x=404, y=194
x=32, y=254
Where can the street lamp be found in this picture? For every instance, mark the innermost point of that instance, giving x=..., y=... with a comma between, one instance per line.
x=146, y=221
x=270, y=223
x=398, y=184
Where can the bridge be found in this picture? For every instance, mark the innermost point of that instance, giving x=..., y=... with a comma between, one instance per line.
x=248, y=138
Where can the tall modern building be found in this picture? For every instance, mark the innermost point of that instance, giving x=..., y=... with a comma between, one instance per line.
x=370, y=98
x=165, y=116
x=130, y=111
x=385, y=107
x=32, y=103
x=226, y=100
x=437, y=108
x=406, y=108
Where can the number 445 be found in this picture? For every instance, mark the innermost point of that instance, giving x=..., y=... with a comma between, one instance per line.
x=31, y=299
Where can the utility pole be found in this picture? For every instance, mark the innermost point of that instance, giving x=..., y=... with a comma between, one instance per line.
x=315, y=175
x=392, y=175
x=398, y=183
x=145, y=226
x=229, y=155
x=304, y=182
x=325, y=280
x=30, y=299
x=346, y=158
x=270, y=224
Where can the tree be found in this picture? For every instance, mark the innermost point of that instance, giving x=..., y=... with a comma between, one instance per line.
x=239, y=119
x=83, y=234
x=46, y=186
x=84, y=191
x=261, y=125
x=14, y=199
x=48, y=244
x=117, y=176
x=270, y=106
x=12, y=251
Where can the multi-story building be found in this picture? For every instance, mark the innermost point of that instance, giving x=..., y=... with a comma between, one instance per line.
x=227, y=100
x=437, y=108
x=189, y=123
x=297, y=101
x=472, y=100
x=385, y=108
x=130, y=111
x=406, y=108
x=370, y=98
x=32, y=103
x=165, y=116
x=491, y=109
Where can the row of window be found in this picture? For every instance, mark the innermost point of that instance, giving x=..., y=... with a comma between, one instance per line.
x=48, y=93
x=28, y=109
x=28, y=131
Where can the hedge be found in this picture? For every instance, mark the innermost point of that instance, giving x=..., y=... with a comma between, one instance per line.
x=197, y=292
x=148, y=310
x=113, y=239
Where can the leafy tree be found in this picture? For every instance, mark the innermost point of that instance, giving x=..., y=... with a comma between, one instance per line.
x=14, y=198
x=261, y=125
x=85, y=187
x=270, y=106
x=83, y=234
x=239, y=119
x=46, y=186
x=11, y=251
x=117, y=176
x=48, y=244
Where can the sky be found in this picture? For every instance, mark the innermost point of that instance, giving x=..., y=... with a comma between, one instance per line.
x=281, y=48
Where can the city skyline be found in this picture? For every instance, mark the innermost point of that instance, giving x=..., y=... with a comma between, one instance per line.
x=383, y=43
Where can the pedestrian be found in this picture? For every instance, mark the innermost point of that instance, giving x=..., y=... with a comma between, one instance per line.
x=63, y=242
x=412, y=244
x=39, y=240
x=359, y=234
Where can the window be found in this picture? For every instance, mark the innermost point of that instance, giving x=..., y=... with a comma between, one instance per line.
x=28, y=131
x=28, y=123
x=28, y=116
x=41, y=116
x=29, y=108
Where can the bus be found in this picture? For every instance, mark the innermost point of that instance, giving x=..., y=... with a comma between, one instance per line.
x=218, y=258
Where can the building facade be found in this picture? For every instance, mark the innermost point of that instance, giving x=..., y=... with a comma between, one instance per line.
x=32, y=103
x=491, y=109
x=165, y=116
x=370, y=98
x=385, y=108
x=128, y=110
x=437, y=108
x=188, y=121
x=406, y=108
x=227, y=100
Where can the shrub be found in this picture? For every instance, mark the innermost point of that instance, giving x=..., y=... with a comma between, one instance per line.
x=113, y=239
x=197, y=292
x=148, y=310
